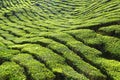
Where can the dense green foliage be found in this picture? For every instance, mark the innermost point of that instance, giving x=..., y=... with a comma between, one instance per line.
x=59, y=39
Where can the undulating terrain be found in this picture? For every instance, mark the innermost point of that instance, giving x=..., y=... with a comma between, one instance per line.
x=59, y=39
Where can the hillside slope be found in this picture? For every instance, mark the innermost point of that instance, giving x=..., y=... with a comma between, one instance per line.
x=60, y=40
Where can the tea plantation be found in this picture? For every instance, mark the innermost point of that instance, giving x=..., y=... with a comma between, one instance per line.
x=59, y=39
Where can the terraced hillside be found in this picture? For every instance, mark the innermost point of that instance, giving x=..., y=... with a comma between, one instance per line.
x=59, y=39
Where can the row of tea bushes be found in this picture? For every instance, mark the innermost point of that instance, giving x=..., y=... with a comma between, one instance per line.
x=55, y=62
x=34, y=69
x=11, y=71
x=71, y=58
x=91, y=54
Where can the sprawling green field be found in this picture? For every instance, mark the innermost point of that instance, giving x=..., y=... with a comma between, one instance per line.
x=59, y=39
